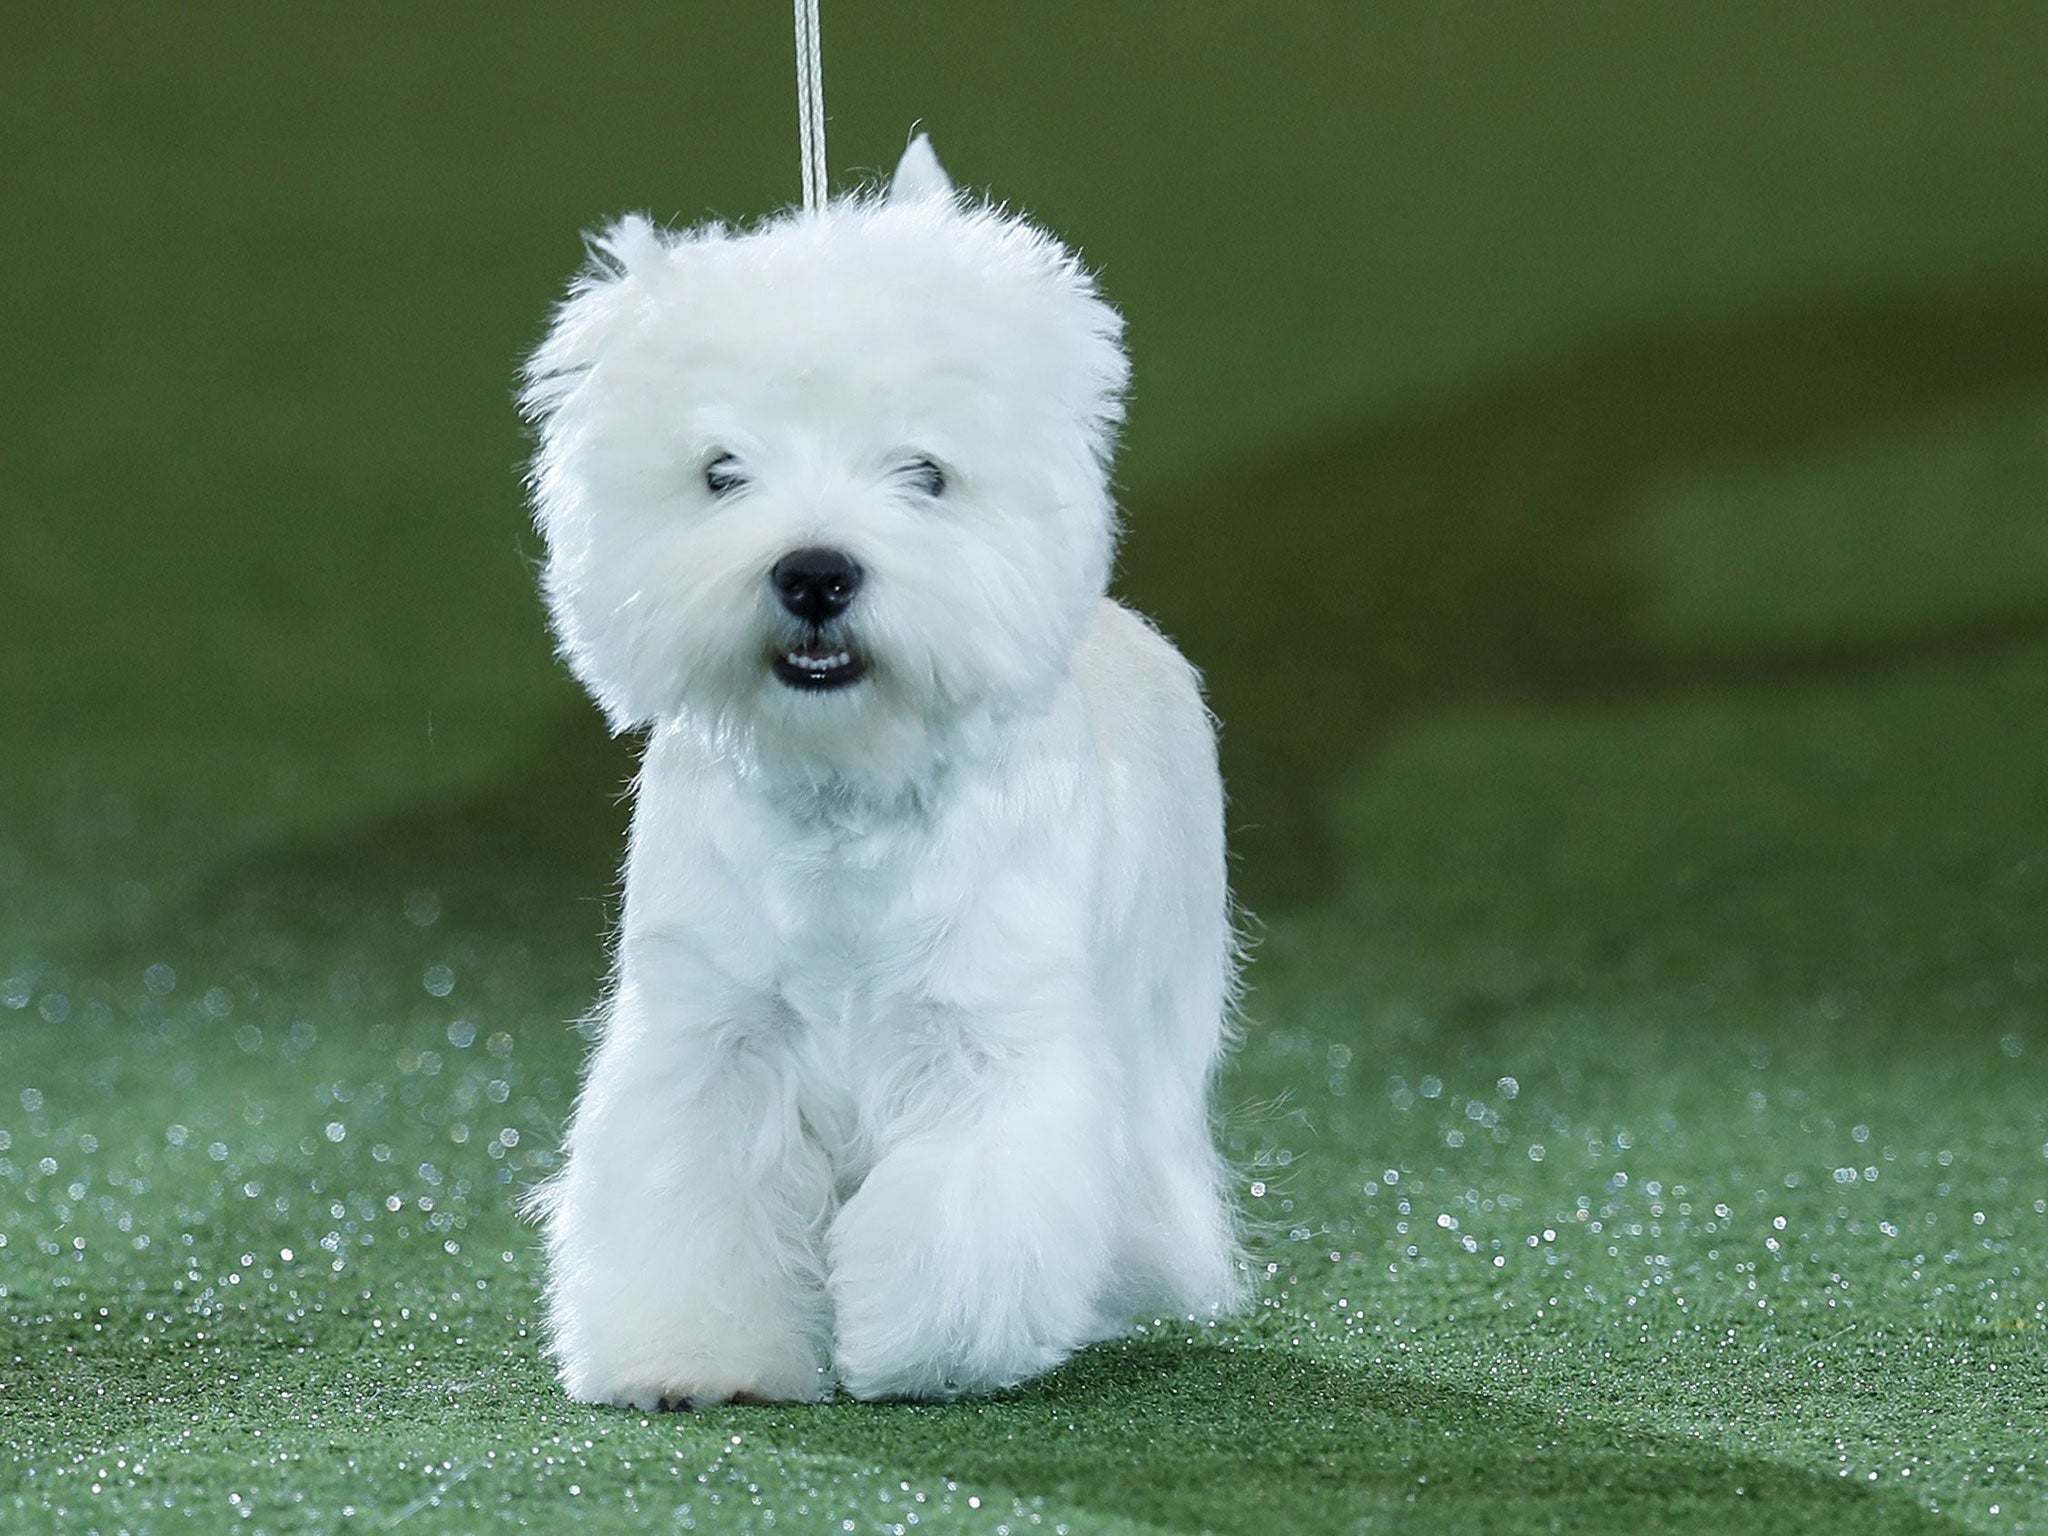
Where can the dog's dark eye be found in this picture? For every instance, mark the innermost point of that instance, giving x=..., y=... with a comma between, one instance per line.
x=926, y=478
x=722, y=475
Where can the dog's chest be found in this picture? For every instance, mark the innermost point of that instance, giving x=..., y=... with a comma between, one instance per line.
x=853, y=922
x=853, y=935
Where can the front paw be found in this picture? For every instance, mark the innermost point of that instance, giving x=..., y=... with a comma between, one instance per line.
x=888, y=1351
x=630, y=1350
x=927, y=1307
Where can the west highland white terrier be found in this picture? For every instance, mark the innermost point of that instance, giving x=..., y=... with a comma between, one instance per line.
x=903, y=1080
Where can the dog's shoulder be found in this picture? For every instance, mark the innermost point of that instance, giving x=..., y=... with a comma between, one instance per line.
x=1124, y=661
x=1143, y=697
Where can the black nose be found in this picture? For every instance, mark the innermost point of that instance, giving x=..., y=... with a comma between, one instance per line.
x=815, y=584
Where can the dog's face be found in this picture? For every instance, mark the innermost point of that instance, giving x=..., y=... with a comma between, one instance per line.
x=831, y=479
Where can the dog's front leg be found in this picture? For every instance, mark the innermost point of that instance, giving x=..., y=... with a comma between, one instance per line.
x=683, y=1229
x=974, y=1253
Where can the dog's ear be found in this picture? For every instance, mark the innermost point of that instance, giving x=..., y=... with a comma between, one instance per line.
x=601, y=302
x=631, y=245
x=919, y=176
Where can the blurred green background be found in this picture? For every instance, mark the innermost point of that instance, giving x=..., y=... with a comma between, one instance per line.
x=1598, y=455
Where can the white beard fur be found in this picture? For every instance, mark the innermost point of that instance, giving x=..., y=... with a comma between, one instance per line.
x=903, y=1083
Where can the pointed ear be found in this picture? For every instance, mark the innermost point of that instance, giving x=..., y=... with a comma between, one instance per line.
x=919, y=176
x=631, y=244
x=600, y=306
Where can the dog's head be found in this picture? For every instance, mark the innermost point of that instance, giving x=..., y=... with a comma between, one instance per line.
x=833, y=481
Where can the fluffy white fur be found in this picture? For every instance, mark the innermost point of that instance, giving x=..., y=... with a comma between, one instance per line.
x=903, y=1082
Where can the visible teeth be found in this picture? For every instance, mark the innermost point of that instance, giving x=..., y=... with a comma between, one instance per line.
x=812, y=663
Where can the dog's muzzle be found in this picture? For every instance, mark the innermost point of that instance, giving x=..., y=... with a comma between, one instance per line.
x=817, y=586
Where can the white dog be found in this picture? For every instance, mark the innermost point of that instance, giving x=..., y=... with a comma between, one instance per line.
x=903, y=1082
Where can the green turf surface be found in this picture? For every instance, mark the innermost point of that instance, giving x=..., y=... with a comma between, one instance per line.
x=1600, y=458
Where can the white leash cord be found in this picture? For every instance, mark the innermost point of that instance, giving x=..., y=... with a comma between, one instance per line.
x=810, y=104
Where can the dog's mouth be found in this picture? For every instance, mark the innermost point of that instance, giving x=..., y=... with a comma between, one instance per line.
x=818, y=665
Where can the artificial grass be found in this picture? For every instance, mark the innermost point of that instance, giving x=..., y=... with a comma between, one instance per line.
x=1641, y=1142
x=1602, y=470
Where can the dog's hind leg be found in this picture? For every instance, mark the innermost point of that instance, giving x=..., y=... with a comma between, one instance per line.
x=1177, y=1246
